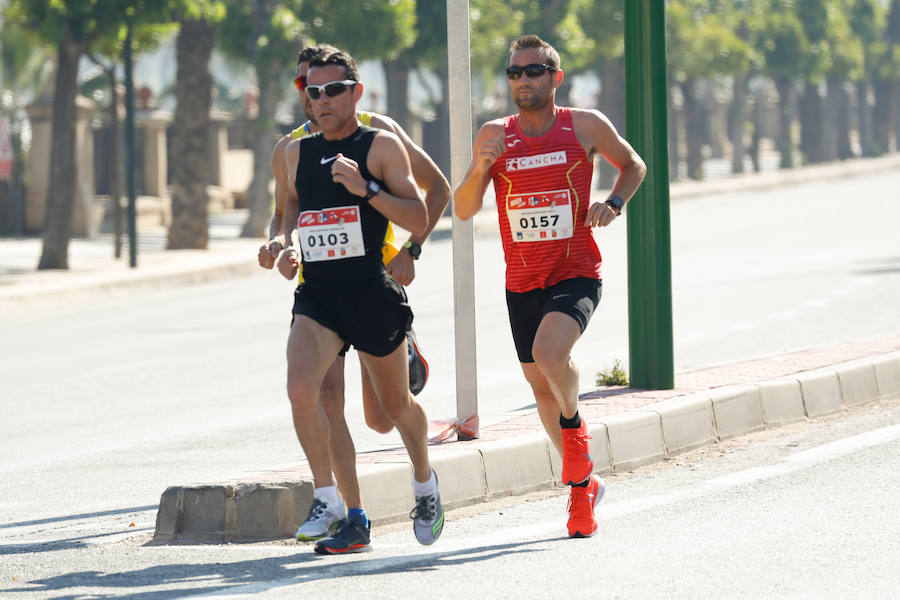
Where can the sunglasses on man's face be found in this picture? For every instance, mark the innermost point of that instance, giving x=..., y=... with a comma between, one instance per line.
x=533, y=70
x=300, y=82
x=331, y=89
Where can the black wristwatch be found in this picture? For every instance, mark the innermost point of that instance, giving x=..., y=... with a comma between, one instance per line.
x=414, y=249
x=616, y=203
x=372, y=188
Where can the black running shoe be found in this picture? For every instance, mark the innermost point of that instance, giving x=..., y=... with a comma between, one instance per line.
x=353, y=536
x=418, y=368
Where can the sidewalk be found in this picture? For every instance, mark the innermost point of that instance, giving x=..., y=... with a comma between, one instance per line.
x=93, y=269
x=630, y=427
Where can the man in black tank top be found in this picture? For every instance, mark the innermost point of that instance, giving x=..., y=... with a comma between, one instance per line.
x=345, y=183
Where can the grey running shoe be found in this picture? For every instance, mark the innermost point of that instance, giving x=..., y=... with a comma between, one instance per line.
x=353, y=536
x=418, y=368
x=322, y=520
x=428, y=517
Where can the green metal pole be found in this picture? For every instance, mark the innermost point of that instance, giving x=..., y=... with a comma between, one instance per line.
x=129, y=149
x=651, y=361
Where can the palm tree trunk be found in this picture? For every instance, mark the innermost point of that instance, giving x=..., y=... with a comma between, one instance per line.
x=828, y=143
x=785, y=122
x=842, y=123
x=811, y=119
x=396, y=75
x=738, y=122
x=864, y=112
x=883, y=116
x=693, y=134
x=190, y=139
x=674, y=134
x=264, y=137
x=61, y=194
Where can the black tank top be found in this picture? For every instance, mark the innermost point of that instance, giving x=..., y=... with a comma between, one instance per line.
x=317, y=190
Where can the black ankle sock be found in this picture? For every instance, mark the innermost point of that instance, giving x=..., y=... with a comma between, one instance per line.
x=583, y=483
x=573, y=423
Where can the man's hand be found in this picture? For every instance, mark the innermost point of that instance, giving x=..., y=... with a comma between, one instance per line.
x=268, y=252
x=402, y=268
x=600, y=214
x=489, y=153
x=346, y=172
x=288, y=263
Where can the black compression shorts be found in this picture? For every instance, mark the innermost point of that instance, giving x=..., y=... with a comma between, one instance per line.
x=577, y=298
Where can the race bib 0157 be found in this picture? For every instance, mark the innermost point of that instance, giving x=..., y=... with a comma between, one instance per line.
x=540, y=216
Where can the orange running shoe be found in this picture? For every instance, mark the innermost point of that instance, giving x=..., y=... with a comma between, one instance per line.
x=577, y=463
x=582, y=501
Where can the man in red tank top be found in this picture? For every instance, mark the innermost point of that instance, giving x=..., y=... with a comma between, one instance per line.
x=541, y=162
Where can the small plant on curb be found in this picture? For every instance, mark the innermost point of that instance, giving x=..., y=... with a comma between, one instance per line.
x=614, y=376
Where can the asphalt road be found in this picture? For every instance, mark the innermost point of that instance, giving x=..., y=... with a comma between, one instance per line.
x=805, y=511
x=106, y=403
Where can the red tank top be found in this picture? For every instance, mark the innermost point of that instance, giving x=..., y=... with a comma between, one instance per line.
x=543, y=186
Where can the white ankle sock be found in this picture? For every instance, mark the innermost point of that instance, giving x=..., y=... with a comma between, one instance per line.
x=328, y=495
x=425, y=487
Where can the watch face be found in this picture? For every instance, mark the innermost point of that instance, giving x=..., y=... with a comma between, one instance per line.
x=374, y=188
x=414, y=249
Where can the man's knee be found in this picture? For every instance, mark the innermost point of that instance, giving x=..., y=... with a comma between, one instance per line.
x=303, y=392
x=395, y=407
x=380, y=423
x=549, y=358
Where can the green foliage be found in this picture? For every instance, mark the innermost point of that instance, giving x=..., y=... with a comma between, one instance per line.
x=701, y=43
x=847, y=55
x=261, y=32
x=367, y=29
x=24, y=66
x=784, y=41
x=493, y=26
x=87, y=22
x=614, y=376
x=603, y=24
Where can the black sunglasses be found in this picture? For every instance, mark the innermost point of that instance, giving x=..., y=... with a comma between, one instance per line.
x=332, y=88
x=533, y=70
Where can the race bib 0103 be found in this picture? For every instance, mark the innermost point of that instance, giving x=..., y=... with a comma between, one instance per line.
x=540, y=216
x=331, y=234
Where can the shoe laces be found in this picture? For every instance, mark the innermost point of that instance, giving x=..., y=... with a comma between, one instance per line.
x=579, y=502
x=574, y=442
x=316, y=510
x=425, y=508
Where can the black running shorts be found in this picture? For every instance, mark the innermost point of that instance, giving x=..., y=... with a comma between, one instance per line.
x=577, y=298
x=372, y=315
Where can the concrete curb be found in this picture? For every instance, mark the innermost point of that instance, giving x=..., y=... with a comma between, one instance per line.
x=479, y=471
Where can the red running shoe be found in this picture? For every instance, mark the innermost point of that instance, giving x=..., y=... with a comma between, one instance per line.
x=582, y=501
x=577, y=463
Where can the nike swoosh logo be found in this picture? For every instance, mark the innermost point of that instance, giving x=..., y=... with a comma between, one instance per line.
x=325, y=161
x=513, y=143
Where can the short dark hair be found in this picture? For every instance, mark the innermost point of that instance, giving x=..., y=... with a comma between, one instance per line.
x=340, y=58
x=551, y=56
x=308, y=53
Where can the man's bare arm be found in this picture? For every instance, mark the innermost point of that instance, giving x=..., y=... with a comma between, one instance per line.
x=489, y=145
x=402, y=202
x=598, y=135
x=427, y=175
x=289, y=259
x=268, y=252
